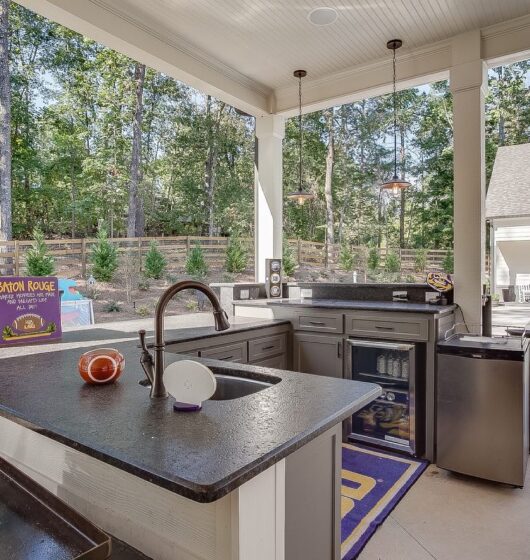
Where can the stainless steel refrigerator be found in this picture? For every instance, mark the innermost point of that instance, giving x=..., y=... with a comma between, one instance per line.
x=482, y=407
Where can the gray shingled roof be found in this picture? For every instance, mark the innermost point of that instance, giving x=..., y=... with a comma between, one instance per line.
x=509, y=189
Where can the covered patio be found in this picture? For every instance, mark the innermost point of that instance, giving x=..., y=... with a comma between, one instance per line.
x=245, y=54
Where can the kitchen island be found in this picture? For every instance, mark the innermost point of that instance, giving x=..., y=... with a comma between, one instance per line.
x=256, y=477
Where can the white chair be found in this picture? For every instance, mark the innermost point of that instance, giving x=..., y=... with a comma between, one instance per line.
x=522, y=288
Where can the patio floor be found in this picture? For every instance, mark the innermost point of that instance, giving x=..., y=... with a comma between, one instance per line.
x=509, y=314
x=450, y=517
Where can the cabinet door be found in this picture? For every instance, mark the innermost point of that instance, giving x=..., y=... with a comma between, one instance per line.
x=277, y=362
x=319, y=354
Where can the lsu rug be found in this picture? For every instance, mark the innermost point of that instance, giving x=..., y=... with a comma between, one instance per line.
x=373, y=482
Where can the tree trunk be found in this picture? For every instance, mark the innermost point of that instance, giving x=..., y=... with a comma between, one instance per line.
x=211, y=162
x=403, y=194
x=330, y=222
x=135, y=217
x=5, y=126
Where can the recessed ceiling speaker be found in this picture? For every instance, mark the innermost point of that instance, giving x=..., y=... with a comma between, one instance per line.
x=322, y=16
x=273, y=278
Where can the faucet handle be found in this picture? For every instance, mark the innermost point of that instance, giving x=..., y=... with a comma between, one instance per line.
x=141, y=334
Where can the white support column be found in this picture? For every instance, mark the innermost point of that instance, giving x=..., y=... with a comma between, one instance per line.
x=468, y=78
x=268, y=198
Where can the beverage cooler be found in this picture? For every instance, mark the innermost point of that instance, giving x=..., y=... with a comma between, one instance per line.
x=392, y=420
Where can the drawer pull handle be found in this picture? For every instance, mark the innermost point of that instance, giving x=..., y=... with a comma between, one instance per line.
x=379, y=327
x=226, y=358
x=268, y=347
x=317, y=322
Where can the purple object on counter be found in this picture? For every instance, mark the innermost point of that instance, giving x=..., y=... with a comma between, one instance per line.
x=186, y=407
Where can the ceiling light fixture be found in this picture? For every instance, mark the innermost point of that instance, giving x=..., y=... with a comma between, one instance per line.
x=395, y=184
x=322, y=16
x=300, y=195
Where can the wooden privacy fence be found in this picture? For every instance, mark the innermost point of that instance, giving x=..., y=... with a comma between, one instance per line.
x=72, y=256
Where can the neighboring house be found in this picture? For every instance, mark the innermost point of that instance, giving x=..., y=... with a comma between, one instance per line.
x=508, y=211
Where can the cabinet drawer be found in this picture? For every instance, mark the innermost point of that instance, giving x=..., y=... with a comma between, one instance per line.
x=236, y=352
x=397, y=328
x=266, y=346
x=277, y=362
x=320, y=323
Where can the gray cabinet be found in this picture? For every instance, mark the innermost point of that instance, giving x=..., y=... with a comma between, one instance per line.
x=278, y=362
x=236, y=352
x=318, y=353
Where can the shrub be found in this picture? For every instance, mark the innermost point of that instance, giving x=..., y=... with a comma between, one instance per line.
x=143, y=285
x=195, y=263
x=113, y=307
x=38, y=262
x=143, y=311
x=346, y=258
x=420, y=260
x=448, y=264
x=104, y=258
x=373, y=259
x=236, y=256
x=288, y=261
x=392, y=262
x=155, y=262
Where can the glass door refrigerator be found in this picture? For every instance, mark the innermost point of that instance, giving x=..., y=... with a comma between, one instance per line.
x=391, y=421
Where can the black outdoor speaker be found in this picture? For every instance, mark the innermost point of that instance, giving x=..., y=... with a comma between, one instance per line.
x=273, y=278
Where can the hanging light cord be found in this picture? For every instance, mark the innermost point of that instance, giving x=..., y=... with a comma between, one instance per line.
x=300, y=135
x=395, y=112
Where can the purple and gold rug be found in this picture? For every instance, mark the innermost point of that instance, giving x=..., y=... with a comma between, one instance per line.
x=373, y=482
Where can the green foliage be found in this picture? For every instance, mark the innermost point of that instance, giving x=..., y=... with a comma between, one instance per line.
x=155, y=262
x=392, y=262
x=373, y=259
x=196, y=265
x=113, y=307
x=104, y=258
x=448, y=263
x=38, y=262
x=420, y=260
x=7, y=332
x=72, y=150
x=288, y=261
x=346, y=258
x=236, y=256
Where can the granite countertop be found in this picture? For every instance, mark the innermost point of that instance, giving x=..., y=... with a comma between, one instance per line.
x=407, y=307
x=202, y=456
x=180, y=328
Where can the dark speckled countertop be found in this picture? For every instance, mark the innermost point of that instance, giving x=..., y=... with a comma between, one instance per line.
x=202, y=456
x=407, y=307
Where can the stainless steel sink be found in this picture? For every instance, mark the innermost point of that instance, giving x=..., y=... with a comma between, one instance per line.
x=230, y=387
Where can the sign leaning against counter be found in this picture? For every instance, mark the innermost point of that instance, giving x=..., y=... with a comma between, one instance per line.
x=30, y=309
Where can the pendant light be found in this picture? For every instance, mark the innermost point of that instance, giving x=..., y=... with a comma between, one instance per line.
x=395, y=184
x=300, y=195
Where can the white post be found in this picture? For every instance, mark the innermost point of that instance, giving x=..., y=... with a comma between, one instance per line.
x=468, y=78
x=268, y=198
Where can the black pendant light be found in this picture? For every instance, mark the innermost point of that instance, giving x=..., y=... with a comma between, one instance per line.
x=300, y=195
x=395, y=184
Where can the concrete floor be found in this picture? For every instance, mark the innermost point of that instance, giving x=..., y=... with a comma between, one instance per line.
x=509, y=314
x=452, y=517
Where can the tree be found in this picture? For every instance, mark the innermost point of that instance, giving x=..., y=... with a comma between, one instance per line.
x=155, y=262
x=38, y=261
x=5, y=126
x=328, y=194
x=135, y=221
x=104, y=258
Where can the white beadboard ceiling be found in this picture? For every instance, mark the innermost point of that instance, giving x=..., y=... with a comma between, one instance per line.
x=265, y=40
